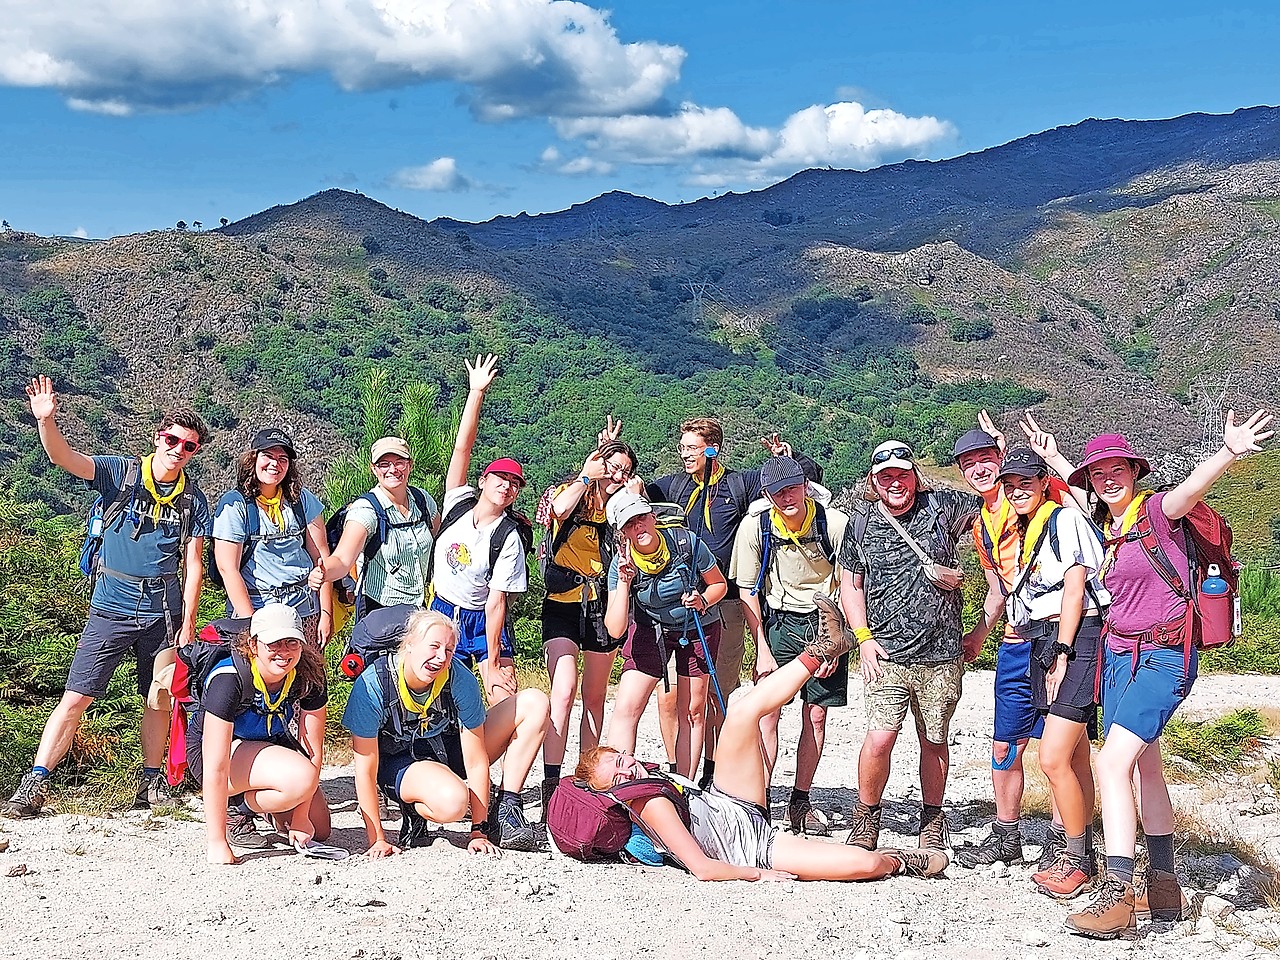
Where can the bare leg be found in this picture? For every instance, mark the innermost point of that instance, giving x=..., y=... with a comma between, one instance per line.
x=634, y=690
x=1058, y=748
x=668, y=713
x=513, y=730
x=769, y=741
x=562, y=670
x=813, y=734
x=1008, y=785
x=1153, y=792
x=436, y=792
x=935, y=759
x=60, y=729
x=273, y=779
x=691, y=712
x=596, y=671
x=729, y=658
x=873, y=765
x=155, y=734
x=815, y=860
x=1116, y=762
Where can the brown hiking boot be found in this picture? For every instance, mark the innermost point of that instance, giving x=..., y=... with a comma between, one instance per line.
x=866, y=827
x=1158, y=896
x=806, y=820
x=834, y=638
x=919, y=863
x=934, y=833
x=1110, y=915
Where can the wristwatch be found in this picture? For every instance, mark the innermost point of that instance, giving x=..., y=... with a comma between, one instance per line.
x=1058, y=647
x=586, y=481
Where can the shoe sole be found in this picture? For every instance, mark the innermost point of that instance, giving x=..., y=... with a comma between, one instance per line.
x=1071, y=895
x=1128, y=933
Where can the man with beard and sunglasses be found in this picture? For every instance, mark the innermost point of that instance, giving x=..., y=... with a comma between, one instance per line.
x=900, y=592
x=145, y=579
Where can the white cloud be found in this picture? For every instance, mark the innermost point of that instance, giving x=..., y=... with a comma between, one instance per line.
x=514, y=57
x=723, y=150
x=441, y=175
x=80, y=232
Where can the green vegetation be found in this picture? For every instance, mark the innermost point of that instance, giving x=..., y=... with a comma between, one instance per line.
x=1216, y=744
x=965, y=330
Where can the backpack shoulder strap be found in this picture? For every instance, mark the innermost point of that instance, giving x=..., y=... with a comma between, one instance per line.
x=1144, y=532
x=458, y=511
x=824, y=534
x=737, y=484
x=507, y=525
x=373, y=543
x=244, y=673
x=128, y=491
x=420, y=501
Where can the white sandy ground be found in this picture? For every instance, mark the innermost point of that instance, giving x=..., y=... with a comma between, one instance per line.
x=124, y=886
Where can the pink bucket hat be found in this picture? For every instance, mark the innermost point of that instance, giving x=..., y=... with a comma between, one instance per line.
x=1104, y=447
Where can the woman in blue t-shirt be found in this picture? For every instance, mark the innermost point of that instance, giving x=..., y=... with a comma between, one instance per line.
x=675, y=583
x=240, y=745
x=269, y=534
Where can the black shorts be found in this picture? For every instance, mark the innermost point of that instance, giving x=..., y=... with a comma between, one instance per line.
x=107, y=638
x=561, y=619
x=1077, y=700
x=195, y=750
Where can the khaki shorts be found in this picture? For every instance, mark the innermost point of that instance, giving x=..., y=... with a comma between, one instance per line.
x=930, y=690
x=732, y=648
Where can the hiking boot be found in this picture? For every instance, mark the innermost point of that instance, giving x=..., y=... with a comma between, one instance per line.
x=153, y=791
x=806, y=820
x=1064, y=880
x=513, y=832
x=1157, y=895
x=415, y=830
x=1110, y=915
x=29, y=798
x=866, y=827
x=934, y=834
x=548, y=788
x=242, y=832
x=919, y=863
x=834, y=638
x=998, y=846
x=1055, y=841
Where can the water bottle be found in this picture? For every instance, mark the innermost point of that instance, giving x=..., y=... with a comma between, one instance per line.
x=1216, y=613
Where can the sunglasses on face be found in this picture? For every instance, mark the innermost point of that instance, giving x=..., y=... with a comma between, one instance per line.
x=171, y=441
x=893, y=453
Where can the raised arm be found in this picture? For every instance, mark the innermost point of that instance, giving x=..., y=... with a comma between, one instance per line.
x=44, y=407
x=479, y=376
x=1237, y=440
x=1046, y=444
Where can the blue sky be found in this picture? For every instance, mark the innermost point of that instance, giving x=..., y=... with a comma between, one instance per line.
x=128, y=121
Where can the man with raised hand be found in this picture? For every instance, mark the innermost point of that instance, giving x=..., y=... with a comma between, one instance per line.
x=900, y=591
x=784, y=565
x=146, y=583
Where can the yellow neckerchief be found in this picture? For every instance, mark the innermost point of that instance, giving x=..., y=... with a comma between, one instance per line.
x=996, y=524
x=780, y=524
x=654, y=563
x=1034, y=528
x=149, y=483
x=271, y=507
x=1127, y=520
x=273, y=708
x=406, y=695
x=703, y=483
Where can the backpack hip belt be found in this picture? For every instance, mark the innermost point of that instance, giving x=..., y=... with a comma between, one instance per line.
x=274, y=593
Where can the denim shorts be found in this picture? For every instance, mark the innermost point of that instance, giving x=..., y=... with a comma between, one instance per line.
x=1143, y=700
x=1016, y=716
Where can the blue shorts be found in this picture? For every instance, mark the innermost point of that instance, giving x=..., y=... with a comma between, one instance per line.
x=473, y=646
x=1142, y=701
x=1016, y=716
x=392, y=768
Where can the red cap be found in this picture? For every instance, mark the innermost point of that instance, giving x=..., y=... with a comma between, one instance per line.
x=508, y=466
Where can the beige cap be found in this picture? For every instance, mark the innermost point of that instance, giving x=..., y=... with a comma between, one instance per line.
x=389, y=445
x=276, y=621
x=159, y=696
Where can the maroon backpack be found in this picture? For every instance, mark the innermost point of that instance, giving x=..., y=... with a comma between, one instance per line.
x=591, y=825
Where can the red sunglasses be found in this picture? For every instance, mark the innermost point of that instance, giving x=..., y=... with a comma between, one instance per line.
x=191, y=446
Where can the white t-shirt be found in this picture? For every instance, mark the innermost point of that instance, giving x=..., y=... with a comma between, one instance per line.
x=1040, y=596
x=462, y=574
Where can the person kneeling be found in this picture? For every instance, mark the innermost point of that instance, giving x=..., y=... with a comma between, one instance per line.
x=420, y=732
x=239, y=740
x=724, y=833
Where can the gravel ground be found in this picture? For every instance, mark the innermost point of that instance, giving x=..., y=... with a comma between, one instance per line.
x=135, y=886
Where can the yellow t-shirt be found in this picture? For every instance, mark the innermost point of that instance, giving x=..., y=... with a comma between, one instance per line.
x=580, y=553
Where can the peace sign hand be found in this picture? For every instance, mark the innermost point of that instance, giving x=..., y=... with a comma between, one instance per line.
x=1042, y=442
x=1242, y=438
x=481, y=373
x=609, y=432
x=988, y=426
x=40, y=395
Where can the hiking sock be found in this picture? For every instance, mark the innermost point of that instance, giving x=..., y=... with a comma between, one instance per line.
x=1121, y=867
x=811, y=662
x=240, y=805
x=41, y=772
x=900, y=864
x=1088, y=840
x=551, y=771
x=149, y=772
x=1160, y=852
x=1076, y=848
x=708, y=773
x=929, y=813
x=671, y=767
x=1006, y=827
x=798, y=796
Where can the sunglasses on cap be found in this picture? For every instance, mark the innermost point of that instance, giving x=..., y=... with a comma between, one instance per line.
x=893, y=453
x=170, y=441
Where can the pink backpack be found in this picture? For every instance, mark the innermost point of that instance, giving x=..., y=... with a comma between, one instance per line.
x=591, y=825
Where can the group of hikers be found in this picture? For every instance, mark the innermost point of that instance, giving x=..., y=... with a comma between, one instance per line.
x=1093, y=576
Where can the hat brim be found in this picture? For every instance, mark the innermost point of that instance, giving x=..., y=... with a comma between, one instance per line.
x=892, y=462
x=1080, y=475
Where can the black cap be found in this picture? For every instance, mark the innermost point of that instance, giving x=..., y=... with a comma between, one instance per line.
x=974, y=439
x=1023, y=462
x=272, y=437
x=778, y=473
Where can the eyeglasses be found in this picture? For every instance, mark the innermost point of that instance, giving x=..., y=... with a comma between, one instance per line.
x=287, y=643
x=691, y=447
x=893, y=453
x=618, y=471
x=171, y=441
x=391, y=463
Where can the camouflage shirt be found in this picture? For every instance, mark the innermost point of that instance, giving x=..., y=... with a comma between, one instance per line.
x=912, y=619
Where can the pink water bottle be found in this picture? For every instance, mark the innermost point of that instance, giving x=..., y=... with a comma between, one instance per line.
x=1216, y=611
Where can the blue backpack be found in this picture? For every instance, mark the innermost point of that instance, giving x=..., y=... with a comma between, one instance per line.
x=102, y=514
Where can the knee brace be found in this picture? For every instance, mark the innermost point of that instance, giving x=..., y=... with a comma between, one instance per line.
x=1009, y=760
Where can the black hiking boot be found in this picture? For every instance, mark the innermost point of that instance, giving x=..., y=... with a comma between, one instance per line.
x=415, y=830
x=548, y=788
x=30, y=797
x=999, y=845
x=153, y=791
x=511, y=831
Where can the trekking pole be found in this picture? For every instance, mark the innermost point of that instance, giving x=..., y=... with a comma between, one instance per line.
x=711, y=662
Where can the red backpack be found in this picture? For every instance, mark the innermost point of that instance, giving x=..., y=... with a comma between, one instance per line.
x=1208, y=537
x=592, y=825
